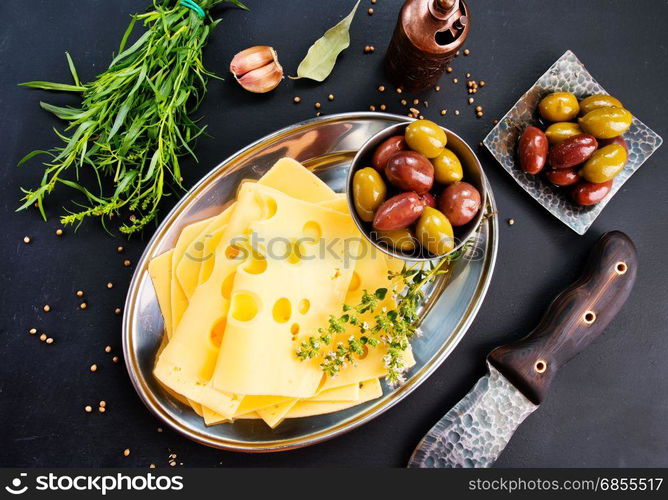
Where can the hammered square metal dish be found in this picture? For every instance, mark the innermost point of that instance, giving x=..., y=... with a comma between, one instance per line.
x=567, y=74
x=325, y=145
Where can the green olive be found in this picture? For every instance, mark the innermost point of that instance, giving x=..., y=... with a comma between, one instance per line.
x=434, y=231
x=369, y=192
x=598, y=101
x=560, y=131
x=399, y=239
x=447, y=167
x=425, y=137
x=606, y=123
x=604, y=164
x=559, y=107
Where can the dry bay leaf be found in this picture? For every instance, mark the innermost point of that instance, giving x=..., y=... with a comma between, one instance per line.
x=321, y=56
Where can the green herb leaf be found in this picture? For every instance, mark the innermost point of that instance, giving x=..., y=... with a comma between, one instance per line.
x=321, y=56
x=60, y=87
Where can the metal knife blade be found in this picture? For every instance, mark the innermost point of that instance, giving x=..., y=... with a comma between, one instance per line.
x=476, y=430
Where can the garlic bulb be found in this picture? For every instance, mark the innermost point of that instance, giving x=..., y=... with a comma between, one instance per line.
x=257, y=69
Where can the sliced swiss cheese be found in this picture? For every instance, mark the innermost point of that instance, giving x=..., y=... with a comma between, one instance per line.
x=369, y=389
x=160, y=272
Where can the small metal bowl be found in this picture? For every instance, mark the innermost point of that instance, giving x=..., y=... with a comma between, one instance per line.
x=473, y=174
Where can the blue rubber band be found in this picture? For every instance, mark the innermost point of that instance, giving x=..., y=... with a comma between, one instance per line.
x=190, y=4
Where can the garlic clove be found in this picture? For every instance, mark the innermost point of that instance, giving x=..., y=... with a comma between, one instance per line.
x=262, y=79
x=252, y=58
x=257, y=69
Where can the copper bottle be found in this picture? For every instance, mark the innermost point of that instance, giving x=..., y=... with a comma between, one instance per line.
x=427, y=35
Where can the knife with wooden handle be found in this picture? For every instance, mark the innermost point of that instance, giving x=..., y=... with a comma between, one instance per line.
x=477, y=429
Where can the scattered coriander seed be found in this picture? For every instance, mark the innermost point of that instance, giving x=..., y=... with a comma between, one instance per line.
x=49, y=340
x=115, y=359
x=372, y=108
x=373, y=1
x=467, y=52
x=117, y=310
x=383, y=107
x=80, y=293
x=59, y=232
x=437, y=88
x=468, y=75
x=414, y=112
x=159, y=429
x=317, y=105
x=416, y=101
x=120, y=249
x=126, y=452
x=127, y=263
x=455, y=80
x=478, y=108
x=110, y=285
x=47, y=308
x=482, y=83
x=381, y=88
x=101, y=409
x=399, y=90
x=318, y=113
x=297, y=100
x=511, y=222
x=32, y=331
x=479, y=114
x=107, y=349
x=83, y=305
x=470, y=100
x=443, y=111
x=404, y=102
x=495, y=122
x=152, y=466
x=93, y=367
x=43, y=337
x=330, y=97
x=103, y=404
x=480, y=144
x=421, y=117
x=88, y=409
x=448, y=69
x=456, y=111
x=372, y=48
x=26, y=239
x=370, y=11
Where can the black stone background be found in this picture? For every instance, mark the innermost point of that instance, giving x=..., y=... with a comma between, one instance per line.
x=608, y=407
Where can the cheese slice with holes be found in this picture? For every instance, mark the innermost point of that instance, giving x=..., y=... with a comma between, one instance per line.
x=275, y=414
x=160, y=272
x=369, y=390
x=299, y=277
x=188, y=266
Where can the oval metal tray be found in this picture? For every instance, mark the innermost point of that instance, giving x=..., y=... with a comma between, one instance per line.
x=325, y=145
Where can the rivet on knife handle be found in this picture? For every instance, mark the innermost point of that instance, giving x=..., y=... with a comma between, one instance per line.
x=574, y=319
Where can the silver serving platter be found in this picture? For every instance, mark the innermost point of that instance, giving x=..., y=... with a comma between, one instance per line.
x=326, y=145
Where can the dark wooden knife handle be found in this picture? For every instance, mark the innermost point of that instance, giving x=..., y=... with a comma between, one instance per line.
x=573, y=320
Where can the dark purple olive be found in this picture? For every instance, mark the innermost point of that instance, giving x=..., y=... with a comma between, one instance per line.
x=563, y=176
x=459, y=202
x=386, y=149
x=428, y=200
x=615, y=140
x=398, y=212
x=410, y=171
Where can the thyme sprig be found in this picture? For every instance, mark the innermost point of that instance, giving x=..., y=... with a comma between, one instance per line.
x=392, y=328
x=134, y=122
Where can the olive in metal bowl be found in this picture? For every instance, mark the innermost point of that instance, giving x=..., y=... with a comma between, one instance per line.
x=410, y=171
x=460, y=203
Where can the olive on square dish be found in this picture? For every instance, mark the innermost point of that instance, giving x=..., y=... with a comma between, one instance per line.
x=582, y=144
x=414, y=193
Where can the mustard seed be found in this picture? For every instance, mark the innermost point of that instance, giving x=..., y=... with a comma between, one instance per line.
x=297, y=99
x=370, y=11
x=101, y=409
x=467, y=52
x=47, y=308
x=88, y=409
x=479, y=114
x=127, y=263
x=470, y=100
x=448, y=69
x=59, y=232
x=120, y=249
x=83, y=305
x=399, y=90
x=49, y=340
x=330, y=97
x=80, y=293
x=416, y=101
x=372, y=108
x=126, y=451
x=110, y=285
x=107, y=349
x=511, y=222
x=478, y=108
x=404, y=102
x=26, y=239
x=443, y=111
x=468, y=75
x=457, y=112
x=93, y=367
x=152, y=466
x=43, y=337
x=482, y=83
x=383, y=107
x=437, y=88
x=32, y=331
x=381, y=88
x=455, y=80
x=117, y=311
x=317, y=105
x=115, y=359
x=103, y=404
